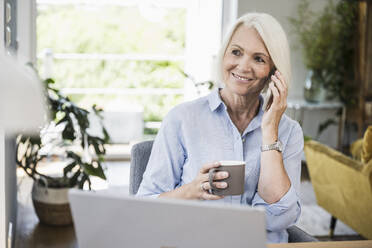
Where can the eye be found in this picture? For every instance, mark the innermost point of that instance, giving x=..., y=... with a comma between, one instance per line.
x=259, y=59
x=236, y=52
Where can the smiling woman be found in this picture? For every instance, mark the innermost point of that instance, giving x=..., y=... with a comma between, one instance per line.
x=274, y=39
x=231, y=124
x=246, y=62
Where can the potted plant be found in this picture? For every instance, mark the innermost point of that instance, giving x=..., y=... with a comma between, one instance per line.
x=326, y=39
x=81, y=151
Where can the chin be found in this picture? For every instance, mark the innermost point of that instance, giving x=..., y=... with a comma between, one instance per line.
x=241, y=90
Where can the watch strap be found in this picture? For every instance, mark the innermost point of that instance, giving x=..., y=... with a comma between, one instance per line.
x=277, y=146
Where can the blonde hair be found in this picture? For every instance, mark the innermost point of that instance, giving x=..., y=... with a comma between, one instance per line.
x=273, y=37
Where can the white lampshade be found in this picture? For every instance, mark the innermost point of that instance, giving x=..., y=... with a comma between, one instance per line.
x=22, y=109
x=22, y=103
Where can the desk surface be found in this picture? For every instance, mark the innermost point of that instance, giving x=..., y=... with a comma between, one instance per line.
x=32, y=234
x=332, y=244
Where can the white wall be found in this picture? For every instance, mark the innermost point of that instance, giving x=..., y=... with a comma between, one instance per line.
x=25, y=31
x=2, y=149
x=2, y=24
x=281, y=10
x=2, y=191
x=8, y=185
x=11, y=187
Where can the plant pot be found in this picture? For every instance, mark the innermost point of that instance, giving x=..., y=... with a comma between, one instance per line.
x=51, y=205
x=314, y=91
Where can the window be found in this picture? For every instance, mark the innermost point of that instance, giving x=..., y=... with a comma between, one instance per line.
x=118, y=54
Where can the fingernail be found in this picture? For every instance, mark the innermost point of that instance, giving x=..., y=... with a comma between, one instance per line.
x=277, y=72
x=217, y=163
x=225, y=174
x=223, y=184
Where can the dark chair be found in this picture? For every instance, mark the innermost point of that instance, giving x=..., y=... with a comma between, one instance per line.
x=140, y=156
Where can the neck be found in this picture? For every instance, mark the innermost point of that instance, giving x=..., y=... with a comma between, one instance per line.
x=241, y=107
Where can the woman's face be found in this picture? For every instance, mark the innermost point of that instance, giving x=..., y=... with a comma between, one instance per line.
x=246, y=62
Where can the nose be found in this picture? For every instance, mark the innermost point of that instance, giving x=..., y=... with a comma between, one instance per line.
x=245, y=64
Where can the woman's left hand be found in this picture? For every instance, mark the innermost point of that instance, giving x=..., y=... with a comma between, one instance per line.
x=272, y=116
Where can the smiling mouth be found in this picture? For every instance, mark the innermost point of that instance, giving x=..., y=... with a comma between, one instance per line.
x=242, y=78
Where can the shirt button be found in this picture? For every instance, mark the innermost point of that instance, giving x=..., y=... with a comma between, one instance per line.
x=243, y=139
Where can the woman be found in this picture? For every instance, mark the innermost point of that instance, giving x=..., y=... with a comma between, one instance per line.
x=230, y=124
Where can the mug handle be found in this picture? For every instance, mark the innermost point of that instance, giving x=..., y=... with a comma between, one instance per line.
x=211, y=176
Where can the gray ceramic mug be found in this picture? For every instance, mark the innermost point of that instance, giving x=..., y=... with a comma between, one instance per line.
x=235, y=181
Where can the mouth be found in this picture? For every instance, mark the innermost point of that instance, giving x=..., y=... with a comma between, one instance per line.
x=241, y=78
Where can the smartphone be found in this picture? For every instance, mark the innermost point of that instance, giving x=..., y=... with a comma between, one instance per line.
x=268, y=98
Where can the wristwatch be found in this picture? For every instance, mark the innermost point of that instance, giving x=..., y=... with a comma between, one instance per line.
x=278, y=146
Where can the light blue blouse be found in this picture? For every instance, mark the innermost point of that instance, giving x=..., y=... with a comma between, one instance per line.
x=201, y=131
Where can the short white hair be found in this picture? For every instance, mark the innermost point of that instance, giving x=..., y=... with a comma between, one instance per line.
x=273, y=37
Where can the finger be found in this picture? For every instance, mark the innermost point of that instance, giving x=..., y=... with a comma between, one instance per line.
x=278, y=83
x=275, y=92
x=207, y=167
x=282, y=90
x=221, y=175
x=276, y=96
x=220, y=185
x=217, y=176
x=281, y=78
x=207, y=196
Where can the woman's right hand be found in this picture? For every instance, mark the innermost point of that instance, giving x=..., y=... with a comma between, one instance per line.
x=200, y=186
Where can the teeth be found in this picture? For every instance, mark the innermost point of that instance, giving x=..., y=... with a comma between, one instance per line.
x=241, y=78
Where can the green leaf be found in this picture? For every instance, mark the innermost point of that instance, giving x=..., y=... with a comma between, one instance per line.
x=68, y=168
x=83, y=179
x=307, y=138
x=74, y=156
x=48, y=81
x=74, y=179
x=106, y=135
x=94, y=171
x=69, y=132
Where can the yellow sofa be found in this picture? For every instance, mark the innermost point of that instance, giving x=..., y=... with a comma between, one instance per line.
x=342, y=185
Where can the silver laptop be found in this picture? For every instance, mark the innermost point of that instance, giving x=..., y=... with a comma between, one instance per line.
x=104, y=219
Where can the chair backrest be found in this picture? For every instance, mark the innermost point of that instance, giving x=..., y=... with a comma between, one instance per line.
x=140, y=155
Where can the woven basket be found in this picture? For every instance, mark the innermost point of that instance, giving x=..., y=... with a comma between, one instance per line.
x=51, y=205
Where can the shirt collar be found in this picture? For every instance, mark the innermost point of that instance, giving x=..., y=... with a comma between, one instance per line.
x=215, y=101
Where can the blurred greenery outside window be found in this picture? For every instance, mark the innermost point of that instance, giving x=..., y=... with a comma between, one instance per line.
x=117, y=52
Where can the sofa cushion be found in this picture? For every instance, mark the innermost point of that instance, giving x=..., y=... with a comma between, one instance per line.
x=367, y=145
x=356, y=149
x=361, y=149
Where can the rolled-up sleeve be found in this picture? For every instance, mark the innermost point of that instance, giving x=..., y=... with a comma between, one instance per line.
x=164, y=169
x=285, y=212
